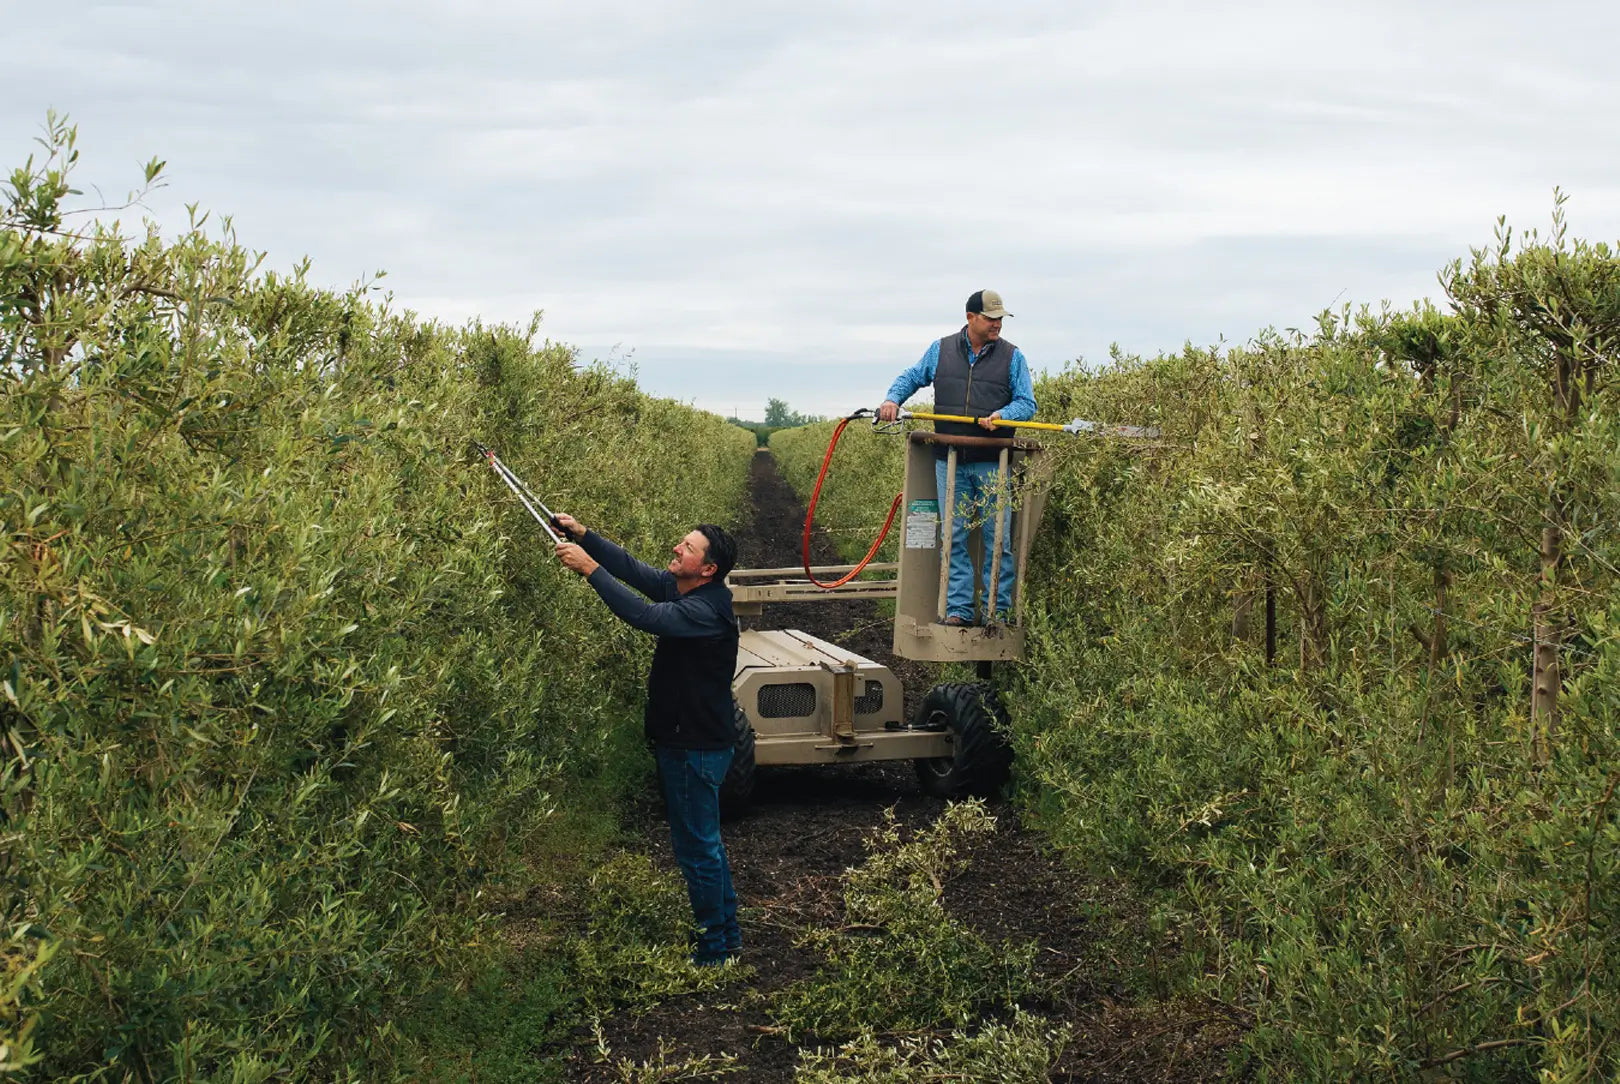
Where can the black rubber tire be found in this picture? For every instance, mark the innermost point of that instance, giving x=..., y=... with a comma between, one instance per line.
x=983, y=758
x=738, y=788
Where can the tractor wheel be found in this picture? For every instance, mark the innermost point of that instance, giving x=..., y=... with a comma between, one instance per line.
x=738, y=787
x=983, y=757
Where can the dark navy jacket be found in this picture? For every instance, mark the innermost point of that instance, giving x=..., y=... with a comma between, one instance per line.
x=689, y=702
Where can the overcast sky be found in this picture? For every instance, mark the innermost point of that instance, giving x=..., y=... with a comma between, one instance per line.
x=746, y=200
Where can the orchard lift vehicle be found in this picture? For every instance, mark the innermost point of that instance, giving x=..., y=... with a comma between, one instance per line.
x=802, y=700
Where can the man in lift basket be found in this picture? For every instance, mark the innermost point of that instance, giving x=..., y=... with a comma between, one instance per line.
x=978, y=374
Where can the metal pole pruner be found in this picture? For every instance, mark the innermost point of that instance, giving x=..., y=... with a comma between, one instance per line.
x=536, y=507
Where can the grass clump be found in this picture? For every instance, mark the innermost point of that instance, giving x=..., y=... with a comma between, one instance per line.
x=664, y=1065
x=901, y=962
x=636, y=951
x=1022, y=1051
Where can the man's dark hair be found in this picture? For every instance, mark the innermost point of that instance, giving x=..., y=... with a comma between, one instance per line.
x=722, y=551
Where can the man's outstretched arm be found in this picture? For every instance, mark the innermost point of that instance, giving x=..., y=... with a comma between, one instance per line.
x=650, y=581
x=684, y=615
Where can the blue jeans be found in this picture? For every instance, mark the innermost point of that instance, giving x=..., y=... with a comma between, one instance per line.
x=692, y=779
x=975, y=510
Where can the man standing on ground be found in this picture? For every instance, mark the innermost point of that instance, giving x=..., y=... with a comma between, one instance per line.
x=978, y=374
x=689, y=717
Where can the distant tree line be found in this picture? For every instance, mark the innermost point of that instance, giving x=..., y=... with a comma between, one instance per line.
x=778, y=415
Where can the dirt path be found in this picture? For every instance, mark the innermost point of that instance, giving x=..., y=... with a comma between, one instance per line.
x=804, y=829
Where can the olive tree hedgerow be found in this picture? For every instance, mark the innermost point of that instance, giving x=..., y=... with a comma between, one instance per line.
x=1286, y=664
x=862, y=479
x=1332, y=667
x=285, y=674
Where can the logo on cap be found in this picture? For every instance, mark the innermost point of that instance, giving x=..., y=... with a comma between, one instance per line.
x=987, y=303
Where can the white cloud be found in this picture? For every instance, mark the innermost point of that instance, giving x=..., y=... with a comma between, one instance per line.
x=747, y=199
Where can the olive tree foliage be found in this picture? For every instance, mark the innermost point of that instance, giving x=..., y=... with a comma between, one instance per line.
x=862, y=479
x=285, y=675
x=1551, y=315
x=1331, y=669
x=1389, y=859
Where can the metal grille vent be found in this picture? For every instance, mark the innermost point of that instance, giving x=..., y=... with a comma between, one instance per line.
x=872, y=701
x=787, y=701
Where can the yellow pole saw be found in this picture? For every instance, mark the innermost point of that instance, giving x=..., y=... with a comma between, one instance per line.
x=1078, y=425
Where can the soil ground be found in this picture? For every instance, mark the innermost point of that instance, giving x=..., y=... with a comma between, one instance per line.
x=789, y=850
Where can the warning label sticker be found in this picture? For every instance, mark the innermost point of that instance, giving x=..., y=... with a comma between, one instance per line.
x=922, y=525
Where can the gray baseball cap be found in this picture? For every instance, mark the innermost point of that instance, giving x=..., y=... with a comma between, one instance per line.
x=987, y=303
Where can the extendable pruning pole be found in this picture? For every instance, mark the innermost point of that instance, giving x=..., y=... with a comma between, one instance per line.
x=548, y=520
x=1078, y=425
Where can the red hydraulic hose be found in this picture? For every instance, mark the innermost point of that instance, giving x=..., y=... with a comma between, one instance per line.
x=810, y=514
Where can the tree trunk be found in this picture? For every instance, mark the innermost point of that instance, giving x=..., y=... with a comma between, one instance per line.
x=1271, y=619
x=1546, y=678
x=1242, y=612
x=1547, y=617
x=1312, y=623
x=1438, y=649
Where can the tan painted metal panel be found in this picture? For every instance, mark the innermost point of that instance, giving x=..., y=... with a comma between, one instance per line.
x=798, y=571
x=888, y=745
x=929, y=641
x=834, y=654
x=749, y=600
x=790, y=657
x=773, y=649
